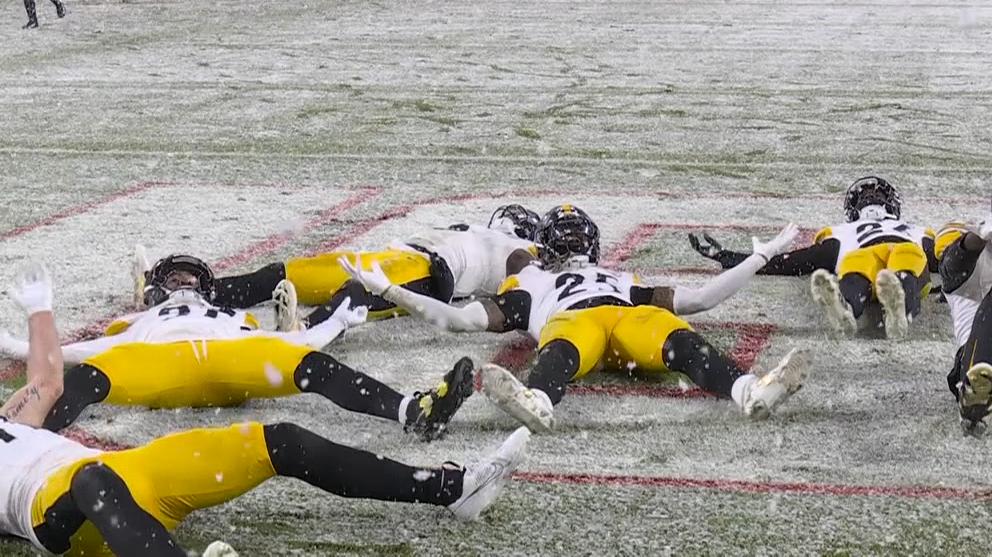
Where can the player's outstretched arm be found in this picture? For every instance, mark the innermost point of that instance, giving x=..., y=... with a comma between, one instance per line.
x=473, y=317
x=687, y=301
x=72, y=354
x=822, y=255
x=32, y=292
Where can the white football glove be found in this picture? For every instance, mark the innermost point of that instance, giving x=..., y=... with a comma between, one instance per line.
x=374, y=280
x=350, y=317
x=32, y=289
x=779, y=244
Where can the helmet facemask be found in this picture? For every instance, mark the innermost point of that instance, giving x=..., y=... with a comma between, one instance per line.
x=569, y=239
x=868, y=191
x=159, y=287
x=515, y=220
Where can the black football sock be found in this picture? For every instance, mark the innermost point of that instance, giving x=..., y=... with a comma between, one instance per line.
x=687, y=352
x=856, y=289
x=913, y=287
x=557, y=363
x=349, y=389
x=83, y=385
x=353, y=290
x=245, y=291
x=298, y=453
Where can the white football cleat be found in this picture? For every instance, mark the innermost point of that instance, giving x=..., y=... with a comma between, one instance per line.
x=287, y=307
x=219, y=549
x=484, y=480
x=826, y=293
x=892, y=297
x=139, y=267
x=531, y=407
x=770, y=390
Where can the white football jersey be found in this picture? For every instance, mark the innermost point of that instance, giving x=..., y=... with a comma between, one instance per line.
x=28, y=456
x=477, y=256
x=551, y=293
x=964, y=301
x=858, y=234
x=184, y=316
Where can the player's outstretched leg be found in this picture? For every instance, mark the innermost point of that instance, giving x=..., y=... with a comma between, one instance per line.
x=348, y=472
x=83, y=385
x=425, y=413
x=533, y=404
x=840, y=315
x=687, y=352
x=99, y=495
x=245, y=291
x=892, y=297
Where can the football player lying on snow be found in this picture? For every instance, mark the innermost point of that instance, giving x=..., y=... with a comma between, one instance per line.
x=584, y=317
x=63, y=497
x=185, y=351
x=443, y=263
x=966, y=271
x=873, y=256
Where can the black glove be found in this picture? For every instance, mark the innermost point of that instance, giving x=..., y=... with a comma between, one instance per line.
x=712, y=250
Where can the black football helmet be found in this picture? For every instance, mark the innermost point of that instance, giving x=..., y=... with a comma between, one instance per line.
x=524, y=220
x=156, y=291
x=567, y=232
x=871, y=190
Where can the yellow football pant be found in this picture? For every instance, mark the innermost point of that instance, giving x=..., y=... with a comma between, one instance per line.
x=615, y=336
x=317, y=278
x=171, y=477
x=868, y=262
x=200, y=373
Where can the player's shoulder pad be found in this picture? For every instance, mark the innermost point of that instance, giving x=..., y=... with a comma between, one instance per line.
x=117, y=327
x=947, y=235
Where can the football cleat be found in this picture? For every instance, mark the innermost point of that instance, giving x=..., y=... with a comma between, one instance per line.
x=770, y=390
x=139, y=275
x=219, y=549
x=531, y=407
x=826, y=293
x=484, y=480
x=892, y=297
x=437, y=406
x=974, y=399
x=287, y=307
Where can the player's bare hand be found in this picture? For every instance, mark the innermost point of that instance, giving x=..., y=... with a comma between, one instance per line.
x=32, y=288
x=374, y=279
x=711, y=249
x=779, y=244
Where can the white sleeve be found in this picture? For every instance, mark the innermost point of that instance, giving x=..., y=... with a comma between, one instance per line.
x=469, y=318
x=694, y=300
x=78, y=351
x=316, y=337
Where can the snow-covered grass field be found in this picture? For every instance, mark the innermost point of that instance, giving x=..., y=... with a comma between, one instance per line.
x=248, y=132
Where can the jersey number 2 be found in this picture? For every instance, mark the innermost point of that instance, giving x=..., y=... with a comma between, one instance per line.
x=573, y=281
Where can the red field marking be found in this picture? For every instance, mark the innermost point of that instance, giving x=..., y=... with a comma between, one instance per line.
x=255, y=250
x=744, y=486
x=76, y=210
